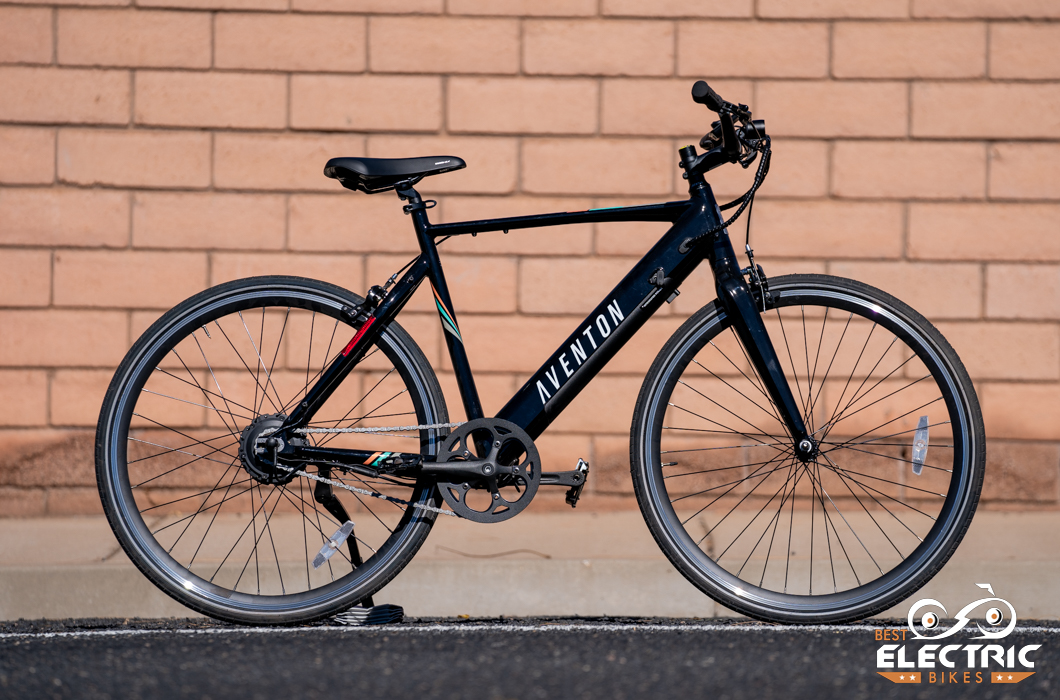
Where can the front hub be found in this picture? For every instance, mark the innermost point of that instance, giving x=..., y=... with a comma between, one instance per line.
x=807, y=450
x=257, y=448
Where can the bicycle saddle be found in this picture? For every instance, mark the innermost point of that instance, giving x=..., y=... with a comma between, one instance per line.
x=371, y=175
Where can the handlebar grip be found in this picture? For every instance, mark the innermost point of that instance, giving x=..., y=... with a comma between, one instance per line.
x=704, y=95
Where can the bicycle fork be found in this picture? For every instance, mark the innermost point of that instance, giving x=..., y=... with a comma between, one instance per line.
x=739, y=304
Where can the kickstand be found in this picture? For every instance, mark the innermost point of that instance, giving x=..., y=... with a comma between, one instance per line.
x=323, y=495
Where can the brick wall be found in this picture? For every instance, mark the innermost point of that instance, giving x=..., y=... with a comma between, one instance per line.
x=148, y=152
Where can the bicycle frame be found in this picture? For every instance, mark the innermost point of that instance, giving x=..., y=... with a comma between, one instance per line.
x=654, y=280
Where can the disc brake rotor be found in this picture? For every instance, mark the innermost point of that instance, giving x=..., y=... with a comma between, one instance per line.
x=511, y=470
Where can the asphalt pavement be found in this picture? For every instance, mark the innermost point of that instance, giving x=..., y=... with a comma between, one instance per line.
x=477, y=658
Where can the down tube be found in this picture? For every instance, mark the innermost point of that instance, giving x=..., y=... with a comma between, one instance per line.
x=613, y=322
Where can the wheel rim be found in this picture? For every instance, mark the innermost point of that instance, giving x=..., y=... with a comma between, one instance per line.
x=184, y=498
x=854, y=523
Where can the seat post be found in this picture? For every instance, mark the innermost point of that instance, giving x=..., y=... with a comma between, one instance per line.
x=453, y=340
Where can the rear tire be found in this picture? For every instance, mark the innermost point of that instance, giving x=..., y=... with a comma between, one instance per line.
x=853, y=531
x=181, y=499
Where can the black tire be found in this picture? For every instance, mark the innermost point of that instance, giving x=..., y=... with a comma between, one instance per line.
x=718, y=484
x=167, y=444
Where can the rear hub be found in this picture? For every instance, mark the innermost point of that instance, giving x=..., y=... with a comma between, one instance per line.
x=258, y=447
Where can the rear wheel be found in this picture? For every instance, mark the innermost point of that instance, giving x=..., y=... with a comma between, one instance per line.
x=192, y=512
x=871, y=516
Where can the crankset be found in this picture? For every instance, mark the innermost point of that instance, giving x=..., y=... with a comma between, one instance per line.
x=488, y=470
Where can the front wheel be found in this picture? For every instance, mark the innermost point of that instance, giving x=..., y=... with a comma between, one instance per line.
x=878, y=509
x=184, y=497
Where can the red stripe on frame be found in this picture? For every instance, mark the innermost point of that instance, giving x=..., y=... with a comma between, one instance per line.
x=365, y=327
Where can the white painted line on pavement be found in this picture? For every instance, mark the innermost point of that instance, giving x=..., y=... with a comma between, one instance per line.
x=472, y=627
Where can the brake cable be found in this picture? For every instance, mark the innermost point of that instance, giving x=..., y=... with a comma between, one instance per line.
x=762, y=146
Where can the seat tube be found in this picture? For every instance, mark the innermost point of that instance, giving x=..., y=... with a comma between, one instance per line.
x=444, y=304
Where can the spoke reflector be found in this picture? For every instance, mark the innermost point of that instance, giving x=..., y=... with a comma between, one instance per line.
x=920, y=445
x=333, y=544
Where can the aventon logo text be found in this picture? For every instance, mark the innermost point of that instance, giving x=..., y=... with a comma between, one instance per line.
x=979, y=661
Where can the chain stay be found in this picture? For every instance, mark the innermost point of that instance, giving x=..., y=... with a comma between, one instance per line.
x=366, y=492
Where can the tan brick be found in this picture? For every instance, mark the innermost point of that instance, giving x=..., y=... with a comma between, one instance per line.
x=1018, y=471
x=47, y=457
x=561, y=452
x=443, y=45
x=349, y=223
x=26, y=391
x=1023, y=291
x=156, y=38
x=62, y=338
x=568, y=285
x=61, y=216
x=134, y=158
x=64, y=96
x=290, y=42
x=491, y=162
x=906, y=169
x=909, y=50
x=76, y=396
x=818, y=9
x=830, y=108
x=598, y=47
x=275, y=5
x=511, y=343
x=610, y=466
x=1024, y=51
x=387, y=6
x=828, y=229
x=522, y=105
x=676, y=8
x=127, y=279
x=208, y=220
x=954, y=110
x=25, y=35
x=366, y=103
x=604, y=406
x=984, y=231
x=27, y=155
x=935, y=290
x=1021, y=410
x=638, y=354
x=566, y=166
x=494, y=390
x=16, y=502
x=550, y=240
x=985, y=8
x=797, y=169
x=74, y=500
x=646, y=106
x=996, y=350
x=752, y=49
x=632, y=238
x=25, y=277
x=344, y=270
x=279, y=162
x=226, y=100
x=1025, y=171
x=523, y=8
x=477, y=284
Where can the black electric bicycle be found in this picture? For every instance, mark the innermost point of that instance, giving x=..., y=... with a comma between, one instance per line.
x=804, y=448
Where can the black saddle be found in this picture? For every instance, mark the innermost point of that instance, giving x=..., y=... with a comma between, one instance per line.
x=373, y=175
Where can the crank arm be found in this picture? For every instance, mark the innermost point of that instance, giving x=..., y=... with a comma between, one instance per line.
x=468, y=469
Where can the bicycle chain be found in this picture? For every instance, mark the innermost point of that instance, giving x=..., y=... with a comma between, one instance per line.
x=366, y=492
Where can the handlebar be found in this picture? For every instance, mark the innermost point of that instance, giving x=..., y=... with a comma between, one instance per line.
x=734, y=138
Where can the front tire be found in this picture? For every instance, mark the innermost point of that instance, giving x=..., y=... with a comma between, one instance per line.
x=854, y=530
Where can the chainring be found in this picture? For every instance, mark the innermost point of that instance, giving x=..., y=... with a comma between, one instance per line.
x=512, y=467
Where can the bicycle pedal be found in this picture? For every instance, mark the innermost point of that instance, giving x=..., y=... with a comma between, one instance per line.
x=575, y=492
